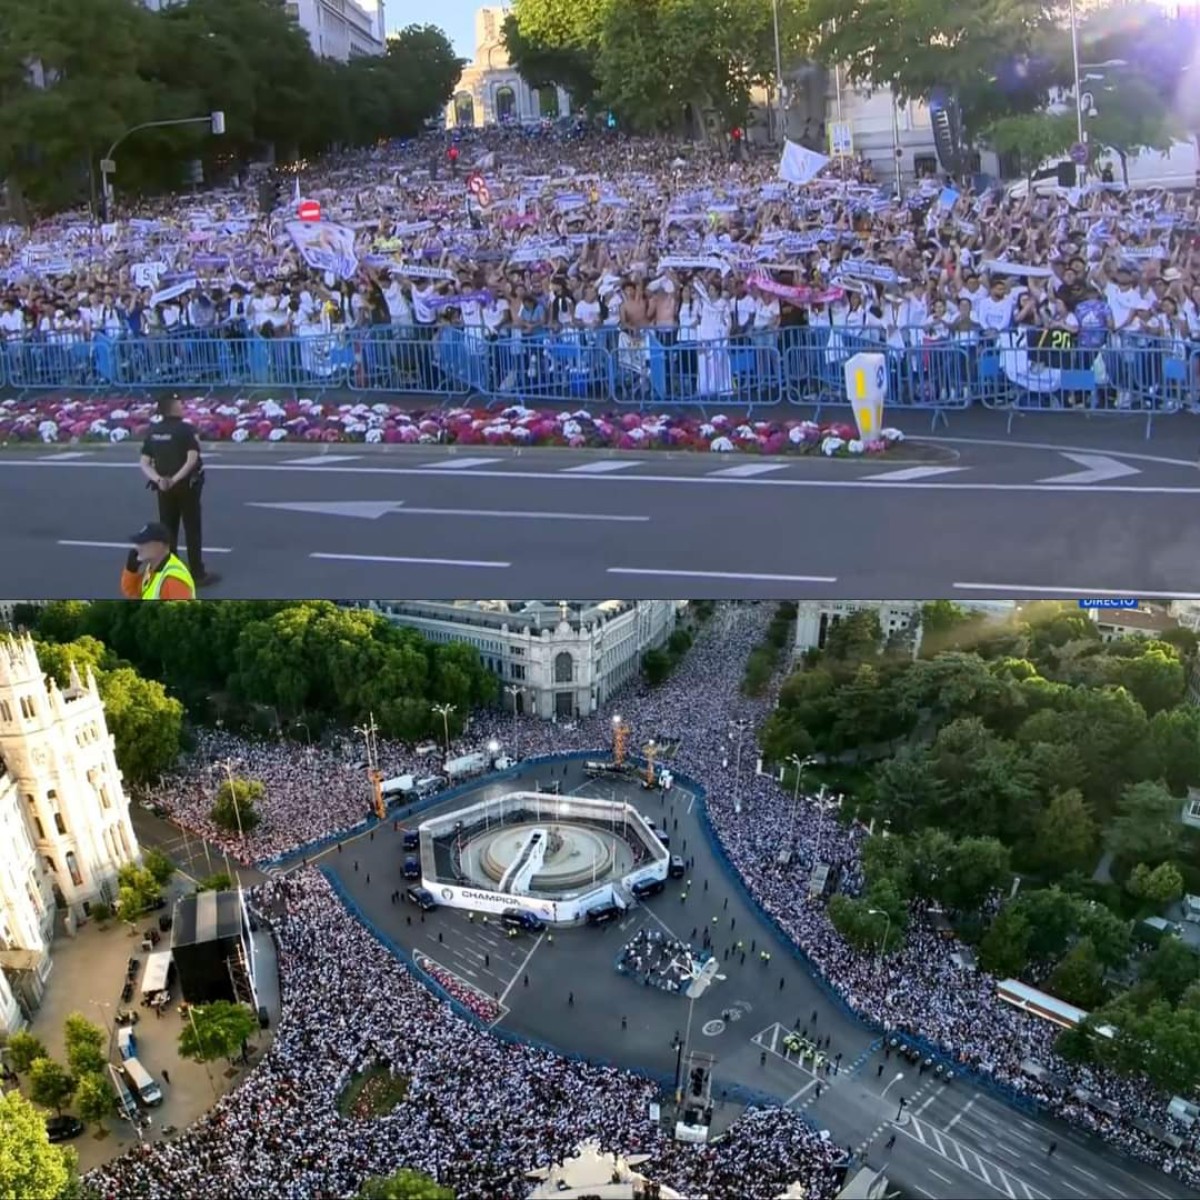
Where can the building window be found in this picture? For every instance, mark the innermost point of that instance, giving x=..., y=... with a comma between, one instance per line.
x=1194, y=809
x=59, y=823
x=518, y=671
x=5, y=711
x=548, y=102
x=50, y=865
x=506, y=104
x=464, y=110
x=28, y=709
x=105, y=802
x=37, y=824
x=564, y=668
x=73, y=868
x=30, y=799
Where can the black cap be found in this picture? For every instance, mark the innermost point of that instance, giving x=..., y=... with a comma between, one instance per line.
x=151, y=532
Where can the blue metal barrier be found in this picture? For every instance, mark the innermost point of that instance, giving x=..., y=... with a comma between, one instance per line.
x=654, y=368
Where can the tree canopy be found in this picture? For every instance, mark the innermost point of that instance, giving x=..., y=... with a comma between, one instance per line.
x=217, y=1031
x=29, y=1164
x=108, y=65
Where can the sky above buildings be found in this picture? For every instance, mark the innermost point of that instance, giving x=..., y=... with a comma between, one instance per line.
x=456, y=17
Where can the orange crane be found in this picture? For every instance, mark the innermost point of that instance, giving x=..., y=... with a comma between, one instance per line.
x=369, y=732
x=620, y=738
x=650, y=750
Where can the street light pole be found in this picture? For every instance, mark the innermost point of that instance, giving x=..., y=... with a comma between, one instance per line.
x=781, y=132
x=237, y=810
x=514, y=690
x=737, y=768
x=887, y=929
x=444, y=711
x=682, y=1050
x=1080, y=168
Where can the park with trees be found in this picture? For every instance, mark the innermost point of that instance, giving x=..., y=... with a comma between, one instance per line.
x=104, y=66
x=1005, y=64
x=1027, y=779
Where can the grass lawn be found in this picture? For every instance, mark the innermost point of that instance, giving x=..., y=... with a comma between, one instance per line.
x=373, y=1093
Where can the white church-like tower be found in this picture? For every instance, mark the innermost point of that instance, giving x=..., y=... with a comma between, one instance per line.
x=64, y=817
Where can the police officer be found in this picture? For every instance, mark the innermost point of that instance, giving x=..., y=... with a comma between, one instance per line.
x=174, y=470
x=152, y=572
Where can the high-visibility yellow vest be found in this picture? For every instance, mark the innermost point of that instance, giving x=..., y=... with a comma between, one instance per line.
x=173, y=568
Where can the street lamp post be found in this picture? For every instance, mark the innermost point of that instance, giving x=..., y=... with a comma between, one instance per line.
x=739, y=730
x=887, y=929
x=196, y=1034
x=780, y=97
x=214, y=120
x=514, y=690
x=237, y=809
x=444, y=711
x=799, y=763
x=681, y=1050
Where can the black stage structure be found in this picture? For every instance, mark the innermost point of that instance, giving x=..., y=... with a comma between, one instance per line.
x=213, y=949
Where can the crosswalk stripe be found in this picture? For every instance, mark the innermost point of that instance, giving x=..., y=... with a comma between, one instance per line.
x=65, y=456
x=600, y=468
x=748, y=470
x=459, y=464
x=320, y=460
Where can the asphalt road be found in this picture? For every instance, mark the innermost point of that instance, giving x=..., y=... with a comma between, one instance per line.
x=956, y=1142
x=958, y=516
x=193, y=856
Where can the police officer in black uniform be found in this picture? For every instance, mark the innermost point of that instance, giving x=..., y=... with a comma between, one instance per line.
x=174, y=470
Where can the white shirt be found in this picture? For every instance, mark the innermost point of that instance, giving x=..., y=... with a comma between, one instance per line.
x=1122, y=302
x=423, y=310
x=587, y=313
x=766, y=312
x=995, y=314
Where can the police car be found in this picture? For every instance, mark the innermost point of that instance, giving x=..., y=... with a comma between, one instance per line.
x=422, y=898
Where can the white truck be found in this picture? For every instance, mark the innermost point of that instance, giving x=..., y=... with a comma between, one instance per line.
x=465, y=766
x=400, y=786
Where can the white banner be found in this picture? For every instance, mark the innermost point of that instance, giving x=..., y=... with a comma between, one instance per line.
x=325, y=246
x=416, y=271
x=172, y=293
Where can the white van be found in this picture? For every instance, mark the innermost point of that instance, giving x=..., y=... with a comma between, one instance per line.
x=429, y=785
x=144, y=1087
x=126, y=1104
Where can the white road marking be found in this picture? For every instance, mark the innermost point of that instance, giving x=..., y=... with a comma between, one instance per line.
x=682, y=480
x=942, y=1177
x=1098, y=468
x=65, y=456
x=728, y=575
x=372, y=510
x=747, y=471
x=959, y=1115
x=125, y=546
x=460, y=464
x=320, y=460
x=413, y=562
x=909, y=474
x=1077, y=1191
x=1140, y=593
x=1085, y=1174
x=925, y=1104
x=521, y=969
x=916, y=1187
x=600, y=468
x=808, y=1087
x=973, y=1163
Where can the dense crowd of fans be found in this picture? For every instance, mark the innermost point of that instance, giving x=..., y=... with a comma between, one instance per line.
x=920, y=989
x=600, y=240
x=478, y=1112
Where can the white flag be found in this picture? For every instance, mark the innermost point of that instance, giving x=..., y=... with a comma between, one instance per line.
x=800, y=165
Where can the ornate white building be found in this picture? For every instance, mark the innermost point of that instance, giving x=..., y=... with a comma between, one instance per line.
x=561, y=660
x=64, y=818
x=814, y=618
x=491, y=90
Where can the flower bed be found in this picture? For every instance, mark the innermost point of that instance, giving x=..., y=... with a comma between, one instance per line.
x=51, y=420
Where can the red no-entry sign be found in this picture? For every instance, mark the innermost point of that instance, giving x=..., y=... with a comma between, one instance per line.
x=310, y=210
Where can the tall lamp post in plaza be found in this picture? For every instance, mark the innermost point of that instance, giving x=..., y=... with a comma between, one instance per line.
x=237, y=808
x=799, y=763
x=514, y=690
x=780, y=95
x=444, y=711
x=887, y=929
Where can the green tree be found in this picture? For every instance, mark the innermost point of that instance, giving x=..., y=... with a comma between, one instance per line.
x=145, y=722
x=947, y=626
x=60, y=620
x=1172, y=968
x=908, y=791
x=1053, y=917
x=50, y=1084
x=1147, y=827
x=219, y=1030
x=1079, y=978
x=1161, y=1042
x=1109, y=934
x=1131, y=116
x=1158, y=886
x=137, y=890
x=1175, y=739
x=760, y=669
x=23, y=1050
x=981, y=50
x=1155, y=677
x=571, y=67
x=404, y=1184
x=57, y=658
x=1034, y=137
x=85, y=1043
x=220, y=882
x=862, y=928
x=656, y=666
x=1064, y=835
x=31, y=1165
x=854, y=639
x=94, y=1098
x=235, y=807
x=977, y=868
x=1004, y=950
x=159, y=865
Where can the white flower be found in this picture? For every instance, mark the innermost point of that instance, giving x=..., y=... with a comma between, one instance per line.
x=583, y=415
x=374, y=436
x=637, y=435
x=271, y=410
x=229, y=410
x=721, y=445
x=497, y=430
x=381, y=410
x=427, y=439
x=118, y=414
x=239, y=435
x=831, y=445
x=48, y=431
x=707, y=430
x=892, y=435
x=277, y=435
x=796, y=434
x=856, y=446
x=118, y=435
x=522, y=432
x=746, y=433
x=98, y=428
x=572, y=429
x=720, y=421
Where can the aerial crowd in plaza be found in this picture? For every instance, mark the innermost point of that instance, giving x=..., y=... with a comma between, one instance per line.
x=312, y=792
